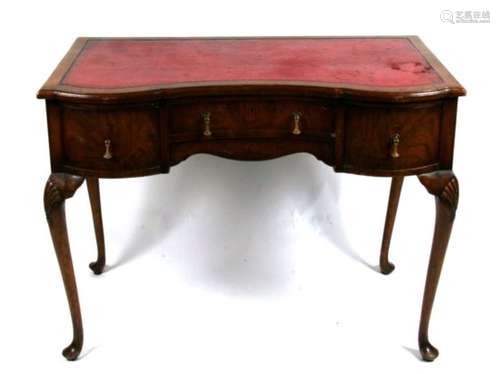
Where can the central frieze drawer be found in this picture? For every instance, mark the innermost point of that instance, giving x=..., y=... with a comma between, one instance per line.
x=252, y=118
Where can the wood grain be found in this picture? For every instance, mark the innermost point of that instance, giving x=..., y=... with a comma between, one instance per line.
x=349, y=128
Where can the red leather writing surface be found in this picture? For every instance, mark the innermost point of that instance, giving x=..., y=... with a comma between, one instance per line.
x=384, y=62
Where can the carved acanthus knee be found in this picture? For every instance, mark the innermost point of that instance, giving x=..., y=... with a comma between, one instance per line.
x=444, y=186
x=59, y=187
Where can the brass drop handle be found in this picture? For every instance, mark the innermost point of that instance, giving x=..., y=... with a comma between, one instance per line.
x=395, y=139
x=107, y=153
x=296, y=123
x=206, y=124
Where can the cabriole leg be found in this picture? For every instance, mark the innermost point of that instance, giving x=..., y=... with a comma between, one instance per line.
x=444, y=186
x=95, y=203
x=60, y=187
x=387, y=267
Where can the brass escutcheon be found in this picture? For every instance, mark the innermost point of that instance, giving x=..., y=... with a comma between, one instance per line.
x=296, y=123
x=395, y=139
x=206, y=123
x=107, y=154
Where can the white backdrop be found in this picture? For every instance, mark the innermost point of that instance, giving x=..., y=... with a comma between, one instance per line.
x=230, y=267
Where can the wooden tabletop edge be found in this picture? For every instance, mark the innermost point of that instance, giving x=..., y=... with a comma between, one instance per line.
x=436, y=64
x=53, y=89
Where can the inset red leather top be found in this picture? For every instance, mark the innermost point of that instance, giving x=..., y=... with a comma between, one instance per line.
x=126, y=63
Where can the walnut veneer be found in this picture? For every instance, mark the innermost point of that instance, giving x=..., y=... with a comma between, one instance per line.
x=128, y=107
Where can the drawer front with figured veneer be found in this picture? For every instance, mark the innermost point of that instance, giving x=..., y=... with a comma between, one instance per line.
x=378, y=139
x=125, y=139
x=250, y=118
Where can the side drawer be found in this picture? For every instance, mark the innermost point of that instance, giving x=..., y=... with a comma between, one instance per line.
x=383, y=138
x=124, y=138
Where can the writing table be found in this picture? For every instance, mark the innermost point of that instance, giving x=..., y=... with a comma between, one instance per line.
x=129, y=107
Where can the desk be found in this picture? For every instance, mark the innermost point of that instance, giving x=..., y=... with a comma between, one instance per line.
x=129, y=107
